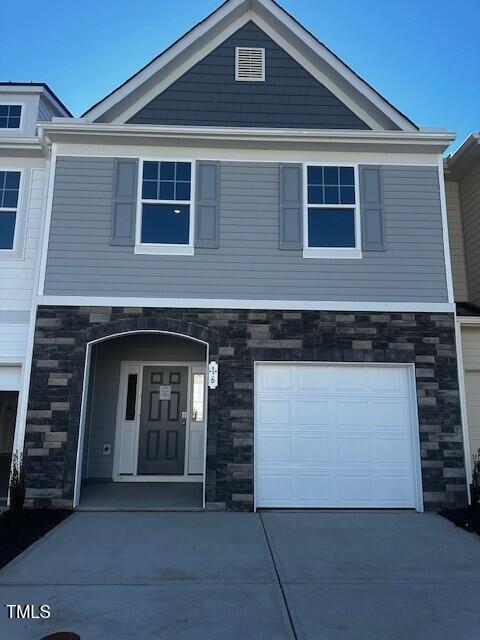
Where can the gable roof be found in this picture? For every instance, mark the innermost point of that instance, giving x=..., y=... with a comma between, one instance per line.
x=119, y=105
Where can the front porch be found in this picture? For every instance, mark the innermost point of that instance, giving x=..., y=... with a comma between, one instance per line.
x=143, y=428
x=141, y=496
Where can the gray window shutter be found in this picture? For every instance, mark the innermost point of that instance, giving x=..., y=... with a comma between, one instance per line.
x=207, y=204
x=291, y=207
x=124, y=202
x=371, y=207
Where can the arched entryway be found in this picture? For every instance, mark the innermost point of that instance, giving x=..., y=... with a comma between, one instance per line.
x=143, y=426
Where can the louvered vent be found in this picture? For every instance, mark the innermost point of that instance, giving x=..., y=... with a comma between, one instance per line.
x=249, y=64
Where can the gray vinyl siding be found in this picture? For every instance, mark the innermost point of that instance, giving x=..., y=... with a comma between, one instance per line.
x=248, y=263
x=457, y=248
x=470, y=202
x=208, y=95
x=106, y=381
x=45, y=113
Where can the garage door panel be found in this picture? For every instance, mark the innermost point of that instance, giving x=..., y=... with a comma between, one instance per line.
x=314, y=412
x=274, y=412
x=308, y=378
x=307, y=449
x=278, y=486
x=389, y=381
x=354, y=450
x=394, y=490
x=276, y=378
x=274, y=449
x=352, y=413
x=393, y=451
x=313, y=489
x=334, y=437
x=355, y=489
x=395, y=414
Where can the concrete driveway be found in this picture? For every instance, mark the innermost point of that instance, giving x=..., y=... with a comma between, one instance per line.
x=311, y=576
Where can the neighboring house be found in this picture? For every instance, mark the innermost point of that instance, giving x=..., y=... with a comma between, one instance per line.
x=245, y=202
x=462, y=175
x=23, y=165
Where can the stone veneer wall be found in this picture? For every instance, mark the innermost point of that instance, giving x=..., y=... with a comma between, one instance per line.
x=237, y=339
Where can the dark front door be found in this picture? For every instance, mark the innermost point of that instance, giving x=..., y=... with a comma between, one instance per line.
x=163, y=419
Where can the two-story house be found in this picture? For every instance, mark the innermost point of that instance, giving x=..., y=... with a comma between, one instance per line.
x=245, y=296
x=462, y=182
x=23, y=168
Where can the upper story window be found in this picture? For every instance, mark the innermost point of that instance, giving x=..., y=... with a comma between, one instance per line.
x=10, y=116
x=166, y=224
x=249, y=64
x=9, y=190
x=331, y=225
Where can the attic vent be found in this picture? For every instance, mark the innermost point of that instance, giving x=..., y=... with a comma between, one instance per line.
x=249, y=64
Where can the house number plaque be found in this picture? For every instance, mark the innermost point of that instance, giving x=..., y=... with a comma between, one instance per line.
x=213, y=375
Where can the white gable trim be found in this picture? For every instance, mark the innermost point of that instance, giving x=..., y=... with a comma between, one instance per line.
x=215, y=42
x=232, y=9
x=162, y=60
x=339, y=66
x=180, y=70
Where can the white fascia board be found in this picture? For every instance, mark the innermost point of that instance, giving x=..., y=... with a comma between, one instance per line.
x=207, y=303
x=334, y=154
x=58, y=131
x=15, y=88
x=165, y=58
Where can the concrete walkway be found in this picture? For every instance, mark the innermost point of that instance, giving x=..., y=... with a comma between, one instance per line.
x=190, y=576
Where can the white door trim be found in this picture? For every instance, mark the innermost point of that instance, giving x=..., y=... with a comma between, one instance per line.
x=415, y=431
x=83, y=407
x=463, y=401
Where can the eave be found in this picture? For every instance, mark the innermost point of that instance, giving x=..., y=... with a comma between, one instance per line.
x=20, y=147
x=465, y=157
x=158, y=135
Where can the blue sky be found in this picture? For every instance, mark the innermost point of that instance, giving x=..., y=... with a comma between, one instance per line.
x=423, y=56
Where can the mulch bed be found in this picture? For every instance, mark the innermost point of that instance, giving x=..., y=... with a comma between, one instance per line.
x=18, y=532
x=467, y=518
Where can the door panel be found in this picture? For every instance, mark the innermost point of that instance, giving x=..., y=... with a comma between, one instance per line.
x=161, y=448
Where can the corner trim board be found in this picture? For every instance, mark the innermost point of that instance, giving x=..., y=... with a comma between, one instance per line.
x=446, y=241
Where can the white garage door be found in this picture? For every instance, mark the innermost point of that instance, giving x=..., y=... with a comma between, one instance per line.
x=334, y=436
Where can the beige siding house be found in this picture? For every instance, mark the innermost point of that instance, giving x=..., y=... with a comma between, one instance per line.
x=462, y=180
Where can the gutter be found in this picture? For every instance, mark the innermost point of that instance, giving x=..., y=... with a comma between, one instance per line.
x=53, y=131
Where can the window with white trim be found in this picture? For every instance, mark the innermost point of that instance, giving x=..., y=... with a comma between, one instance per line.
x=332, y=215
x=9, y=190
x=249, y=64
x=166, y=206
x=10, y=116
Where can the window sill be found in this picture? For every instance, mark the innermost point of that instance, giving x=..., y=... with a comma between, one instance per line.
x=345, y=254
x=164, y=250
